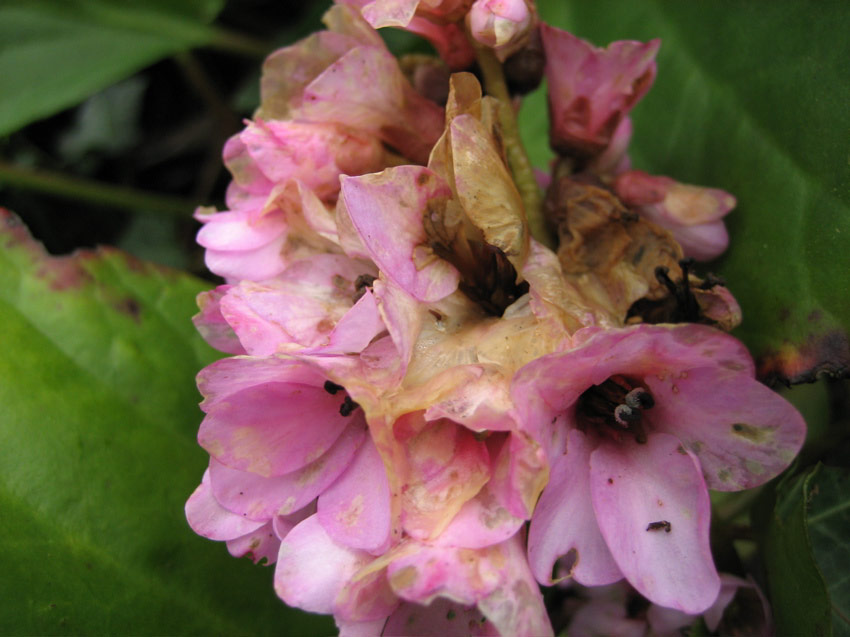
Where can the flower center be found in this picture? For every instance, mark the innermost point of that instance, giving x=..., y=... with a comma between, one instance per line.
x=615, y=408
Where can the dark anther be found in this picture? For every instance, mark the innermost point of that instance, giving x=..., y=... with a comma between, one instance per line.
x=347, y=406
x=639, y=398
x=625, y=415
x=332, y=388
x=615, y=407
x=687, y=308
x=361, y=284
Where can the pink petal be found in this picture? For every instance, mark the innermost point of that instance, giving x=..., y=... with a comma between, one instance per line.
x=591, y=89
x=482, y=521
x=386, y=209
x=254, y=265
x=564, y=521
x=360, y=628
x=228, y=376
x=742, y=432
x=355, y=510
x=448, y=466
x=441, y=618
x=402, y=315
x=211, y=324
x=703, y=243
x=239, y=230
x=599, y=617
x=259, y=498
x=312, y=568
x=273, y=428
x=211, y=520
x=259, y=545
x=636, y=489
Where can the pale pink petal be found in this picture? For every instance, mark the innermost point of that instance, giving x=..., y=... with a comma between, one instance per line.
x=516, y=607
x=365, y=89
x=211, y=324
x=273, y=428
x=259, y=498
x=667, y=622
x=386, y=209
x=355, y=510
x=238, y=230
x=502, y=25
x=703, y=243
x=314, y=153
x=743, y=433
x=283, y=524
x=564, y=523
x=448, y=466
x=653, y=509
x=312, y=568
x=253, y=265
x=729, y=585
x=520, y=472
x=230, y=375
x=480, y=402
x=211, y=520
x=482, y=521
x=441, y=618
x=357, y=328
x=259, y=545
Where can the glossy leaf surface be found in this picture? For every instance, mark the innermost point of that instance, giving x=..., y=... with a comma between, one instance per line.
x=98, y=455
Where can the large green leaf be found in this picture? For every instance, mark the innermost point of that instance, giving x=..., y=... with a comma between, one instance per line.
x=798, y=594
x=752, y=97
x=829, y=530
x=98, y=455
x=55, y=53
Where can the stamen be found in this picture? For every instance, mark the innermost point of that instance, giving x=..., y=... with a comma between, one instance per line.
x=347, y=407
x=614, y=406
x=639, y=398
x=361, y=284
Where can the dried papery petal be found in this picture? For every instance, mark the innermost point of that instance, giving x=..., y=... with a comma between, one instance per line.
x=591, y=90
x=606, y=252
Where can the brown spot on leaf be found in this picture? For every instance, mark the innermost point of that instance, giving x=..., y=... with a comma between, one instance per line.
x=824, y=354
x=130, y=307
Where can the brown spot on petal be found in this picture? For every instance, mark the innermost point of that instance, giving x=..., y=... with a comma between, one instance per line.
x=403, y=578
x=751, y=433
x=827, y=353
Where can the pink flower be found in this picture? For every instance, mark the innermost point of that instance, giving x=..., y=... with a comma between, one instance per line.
x=692, y=213
x=502, y=25
x=640, y=422
x=283, y=439
x=591, y=90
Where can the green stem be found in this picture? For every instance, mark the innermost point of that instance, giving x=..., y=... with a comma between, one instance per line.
x=239, y=43
x=92, y=191
x=523, y=172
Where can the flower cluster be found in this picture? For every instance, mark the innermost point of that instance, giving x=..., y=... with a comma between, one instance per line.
x=427, y=411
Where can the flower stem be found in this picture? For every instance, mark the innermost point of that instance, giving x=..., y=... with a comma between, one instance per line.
x=92, y=191
x=523, y=172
